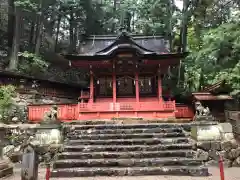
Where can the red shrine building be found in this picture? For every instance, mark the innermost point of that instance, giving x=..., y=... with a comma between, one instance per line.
x=125, y=79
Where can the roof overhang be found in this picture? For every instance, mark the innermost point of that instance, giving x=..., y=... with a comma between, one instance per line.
x=98, y=57
x=206, y=96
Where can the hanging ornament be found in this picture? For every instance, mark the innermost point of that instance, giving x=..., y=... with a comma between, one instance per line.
x=125, y=80
x=97, y=81
x=119, y=82
x=134, y=82
x=169, y=72
x=149, y=82
x=141, y=83
x=110, y=84
x=35, y=84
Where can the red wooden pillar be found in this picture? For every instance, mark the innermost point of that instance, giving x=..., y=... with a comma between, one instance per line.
x=91, y=88
x=137, y=87
x=159, y=88
x=114, y=86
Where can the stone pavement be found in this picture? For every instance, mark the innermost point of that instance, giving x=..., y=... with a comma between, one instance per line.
x=230, y=174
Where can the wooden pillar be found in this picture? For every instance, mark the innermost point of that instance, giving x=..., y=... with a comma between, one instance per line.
x=91, y=87
x=159, y=88
x=114, y=85
x=137, y=87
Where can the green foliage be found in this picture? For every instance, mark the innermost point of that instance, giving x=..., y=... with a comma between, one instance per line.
x=218, y=58
x=6, y=95
x=27, y=5
x=31, y=63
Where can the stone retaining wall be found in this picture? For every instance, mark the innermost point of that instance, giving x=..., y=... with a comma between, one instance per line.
x=214, y=140
x=36, y=134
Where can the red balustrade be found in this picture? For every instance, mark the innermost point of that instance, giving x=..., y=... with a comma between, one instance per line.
x=126, y=106
x=184, y=112
x=65, y=112
x=36, y=113
x=72, y=111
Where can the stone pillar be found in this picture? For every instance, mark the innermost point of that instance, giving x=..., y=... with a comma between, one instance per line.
x=91, y=88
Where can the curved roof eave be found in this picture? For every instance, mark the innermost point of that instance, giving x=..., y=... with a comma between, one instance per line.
x=124, y=40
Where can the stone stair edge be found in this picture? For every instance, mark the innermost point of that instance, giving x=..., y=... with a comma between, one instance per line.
x=126, y=139
x=129, y=120
x=131, y=171
x=177, y=150
x=127, y=159
x=127, y=124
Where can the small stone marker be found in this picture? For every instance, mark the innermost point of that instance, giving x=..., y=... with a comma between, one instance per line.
x=29, y=169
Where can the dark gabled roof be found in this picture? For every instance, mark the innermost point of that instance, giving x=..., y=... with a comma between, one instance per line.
x=213, y=92
x=146, y=44
x=124, y=41
x=214, y=86
x=105, y=57
x=207, y=96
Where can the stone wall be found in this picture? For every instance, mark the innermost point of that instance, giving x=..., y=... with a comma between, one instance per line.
x=214, y=140
x=16, y=136
x=25, y=99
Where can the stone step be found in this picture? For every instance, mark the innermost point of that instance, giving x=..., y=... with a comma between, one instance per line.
x=130, y=171
x=127, y=121
x=126, y=154
x=128, y=126
x=139, y=162
x=124, y=136
x=99, y=148
x=126, y=131
x=6, y=172
x=148, y=141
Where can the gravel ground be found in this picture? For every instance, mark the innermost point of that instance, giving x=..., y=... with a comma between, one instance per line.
x=230, y=174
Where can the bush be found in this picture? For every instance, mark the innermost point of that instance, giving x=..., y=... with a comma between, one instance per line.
x=6, y=102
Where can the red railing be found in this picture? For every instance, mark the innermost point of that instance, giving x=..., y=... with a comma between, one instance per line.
x=65, y=112
x=71, y=112
x=126, y=106
x=183, y=111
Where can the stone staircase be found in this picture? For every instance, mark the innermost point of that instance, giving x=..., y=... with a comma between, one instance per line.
x=127, y=150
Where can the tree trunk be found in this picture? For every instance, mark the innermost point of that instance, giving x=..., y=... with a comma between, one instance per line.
x=170, y=25
x=128, y=21
x=39, y=29
x=57, y=33
x=184, y=26
x=11, y=22
x=16, y=41
x=31, y=36
x=39, y=39
x=72, y=36
x=133, y=22
x=114, y=12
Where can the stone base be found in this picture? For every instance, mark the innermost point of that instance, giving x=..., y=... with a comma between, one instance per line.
x=5, y=169
x=204, y=118
x=206, y=133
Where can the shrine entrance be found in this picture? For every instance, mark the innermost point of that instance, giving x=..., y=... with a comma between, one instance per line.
x=125, y=81
x=125, y=86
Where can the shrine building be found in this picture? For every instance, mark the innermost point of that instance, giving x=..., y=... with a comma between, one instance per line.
x=125, y=79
